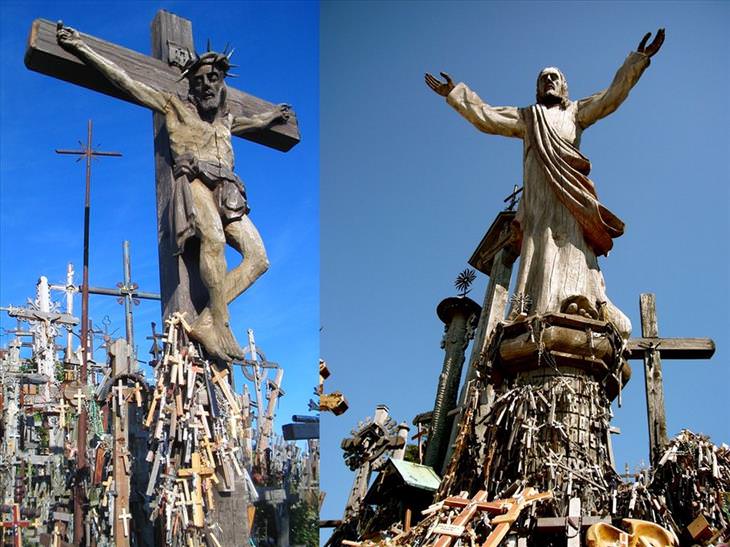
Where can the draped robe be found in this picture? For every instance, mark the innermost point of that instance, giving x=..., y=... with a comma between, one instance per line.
x=562, y=225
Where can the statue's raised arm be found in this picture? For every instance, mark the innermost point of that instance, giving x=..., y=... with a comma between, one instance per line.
x=597, y=106
x=71, y=40
x=496, y=120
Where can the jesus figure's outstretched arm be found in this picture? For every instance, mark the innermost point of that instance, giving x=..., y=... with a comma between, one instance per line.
x=496, y=120
x=597, y=106
x=70, y=39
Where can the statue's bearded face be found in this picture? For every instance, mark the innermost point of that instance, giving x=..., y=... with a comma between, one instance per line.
x=552, y=88
x=207, y=88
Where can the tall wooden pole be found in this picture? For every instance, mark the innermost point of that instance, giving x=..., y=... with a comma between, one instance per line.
x=121, y=359
x=653, y=378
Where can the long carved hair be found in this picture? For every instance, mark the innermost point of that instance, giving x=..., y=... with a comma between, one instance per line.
x=563, y=90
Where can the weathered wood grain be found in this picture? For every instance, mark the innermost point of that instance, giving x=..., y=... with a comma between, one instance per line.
x=44, y=55
x=654, y=381
x=673, y=348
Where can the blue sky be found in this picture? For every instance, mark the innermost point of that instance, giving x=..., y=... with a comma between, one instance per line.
x=42, y=193
x=408, y=189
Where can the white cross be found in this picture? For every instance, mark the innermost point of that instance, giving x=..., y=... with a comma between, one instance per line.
x=80, y=395
x=125, y=520
x=62, y=406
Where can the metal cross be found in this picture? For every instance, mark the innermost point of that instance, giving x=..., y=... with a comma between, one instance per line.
x=88, y=152
x=512, y=198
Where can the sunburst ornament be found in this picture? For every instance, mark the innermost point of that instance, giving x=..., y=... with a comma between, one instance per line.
x=464, y=280
x=521, y=303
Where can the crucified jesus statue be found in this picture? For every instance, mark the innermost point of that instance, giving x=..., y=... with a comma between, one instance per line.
x=560, y=223
x=208, y=198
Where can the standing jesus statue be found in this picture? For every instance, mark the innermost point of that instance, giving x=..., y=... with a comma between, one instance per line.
x=208, y=199
x=560, y=222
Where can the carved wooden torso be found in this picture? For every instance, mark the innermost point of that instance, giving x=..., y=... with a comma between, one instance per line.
x=189, y=134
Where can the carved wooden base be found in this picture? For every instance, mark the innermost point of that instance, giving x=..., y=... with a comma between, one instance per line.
x=561, y=340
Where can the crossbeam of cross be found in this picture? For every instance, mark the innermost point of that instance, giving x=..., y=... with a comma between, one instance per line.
x=651, y=348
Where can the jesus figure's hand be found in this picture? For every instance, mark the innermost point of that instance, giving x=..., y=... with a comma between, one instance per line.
x=652, y=48
x=68, y=37
x=442, y=88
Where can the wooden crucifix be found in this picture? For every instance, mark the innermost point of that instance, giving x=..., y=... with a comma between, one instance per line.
x=191, y=278
x=201, y=202
x=651, y=349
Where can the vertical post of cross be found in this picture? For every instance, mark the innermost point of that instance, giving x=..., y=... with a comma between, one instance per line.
x=180, y=284
x=653, y=379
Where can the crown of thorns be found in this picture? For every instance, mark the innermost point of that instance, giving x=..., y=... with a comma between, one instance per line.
x=219, y=61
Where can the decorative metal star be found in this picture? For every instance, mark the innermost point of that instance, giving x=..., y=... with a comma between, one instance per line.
x=464, y=280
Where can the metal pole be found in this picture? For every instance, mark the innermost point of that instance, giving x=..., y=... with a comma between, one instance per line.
x=128, y=298
x=81, y=463
x=83, y=418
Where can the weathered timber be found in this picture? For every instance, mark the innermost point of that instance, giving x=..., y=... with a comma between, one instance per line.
x=181, y=288
x=653, y=380
x=672, y=348
x=300, y=431
x=44, y=55
x=120, y=361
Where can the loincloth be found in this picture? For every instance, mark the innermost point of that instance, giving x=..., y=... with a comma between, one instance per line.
x=228, y=191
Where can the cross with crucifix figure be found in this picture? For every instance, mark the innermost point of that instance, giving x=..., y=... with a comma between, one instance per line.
x=651, y=349
x=201, y=202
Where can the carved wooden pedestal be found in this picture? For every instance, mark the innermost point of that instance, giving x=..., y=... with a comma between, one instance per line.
x=549, y=425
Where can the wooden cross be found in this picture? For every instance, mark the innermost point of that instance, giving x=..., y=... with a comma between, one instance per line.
x=135, y=392
x=61, y=409
x=507, y=511
x=108, y=483
x=119, y=390
x=198, y=472
x=220, y=378
x=651, y=349
x=16, y=524
x=172, y=41
x=79, y=396
x=451, y=532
